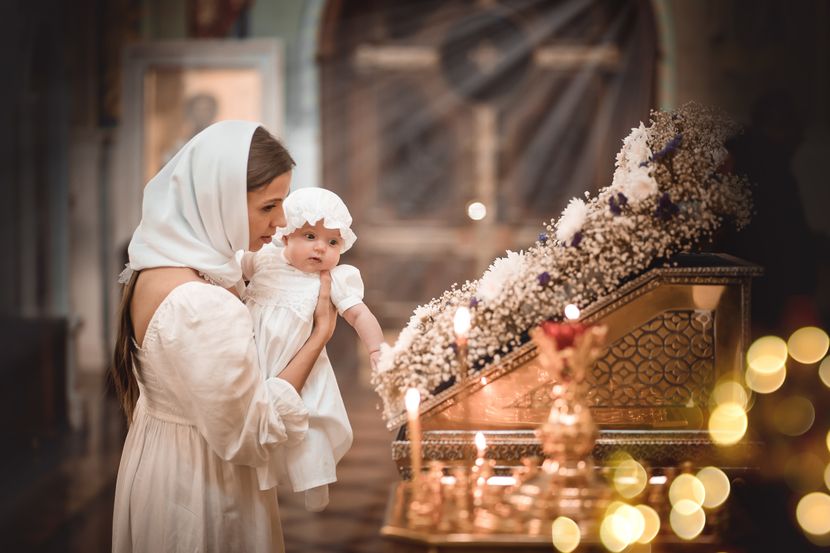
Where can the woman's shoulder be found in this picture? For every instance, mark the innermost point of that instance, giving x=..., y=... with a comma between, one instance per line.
x=197, y=311
x=182, y=291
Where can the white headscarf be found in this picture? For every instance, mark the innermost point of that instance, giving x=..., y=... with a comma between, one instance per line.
x=309, y=205
x=195, y=211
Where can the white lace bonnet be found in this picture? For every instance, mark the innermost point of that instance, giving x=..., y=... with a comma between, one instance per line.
x=309, y=205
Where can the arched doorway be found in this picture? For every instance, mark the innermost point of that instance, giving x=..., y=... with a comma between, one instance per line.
x=428, y=106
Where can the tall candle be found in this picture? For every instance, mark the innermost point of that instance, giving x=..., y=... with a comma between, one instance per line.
x=413, y=402
x=461, y=325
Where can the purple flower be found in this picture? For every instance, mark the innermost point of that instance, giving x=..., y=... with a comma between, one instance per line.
x=473, y=302
x=616, y=203
x=666, y=209
x=670, y=147
x=543, y=237
x=543, y=278
x=576, y=240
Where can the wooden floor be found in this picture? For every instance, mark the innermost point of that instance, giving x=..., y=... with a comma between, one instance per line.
x=58, y=493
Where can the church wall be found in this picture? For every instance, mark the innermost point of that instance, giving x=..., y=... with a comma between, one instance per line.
x=720, y=52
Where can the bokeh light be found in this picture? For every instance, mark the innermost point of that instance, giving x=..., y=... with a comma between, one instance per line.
x=566, y=535
x=630, y=478
x=686, y=488
x=767, y=354
x=824, y=371
x=808, y=345
x=827, y=476
x=618, y=457
x=687, y=519
x=804, y=472
x=634, y=521
x=651, y=523
x=765, y=382
x=476, y=211
x=716, y=484
x=828, y=440
x=729, y=391
x=793, y=416
x=813, y=513
x=727, y=424
x=613, y=533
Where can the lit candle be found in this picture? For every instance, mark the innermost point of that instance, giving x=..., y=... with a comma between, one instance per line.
x=571, y=312
x=461, y=323
x=413, y=402
x=481, y=447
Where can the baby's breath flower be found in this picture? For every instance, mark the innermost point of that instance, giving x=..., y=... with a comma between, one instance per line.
x=657, y=205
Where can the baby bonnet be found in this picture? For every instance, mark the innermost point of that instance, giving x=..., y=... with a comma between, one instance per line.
x=309, y=205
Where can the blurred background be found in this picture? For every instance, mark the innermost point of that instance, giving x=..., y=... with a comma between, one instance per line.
x=453, y=130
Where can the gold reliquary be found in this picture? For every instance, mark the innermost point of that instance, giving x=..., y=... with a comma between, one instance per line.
x=672, y=334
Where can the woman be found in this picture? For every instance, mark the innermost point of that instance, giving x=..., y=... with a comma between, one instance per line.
x=202, y=417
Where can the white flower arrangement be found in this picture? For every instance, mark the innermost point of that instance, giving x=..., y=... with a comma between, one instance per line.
x=571, y=221
x=500, y=272
x=669, y=194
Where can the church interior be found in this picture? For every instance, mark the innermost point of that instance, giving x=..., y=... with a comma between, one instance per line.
x=455, y=131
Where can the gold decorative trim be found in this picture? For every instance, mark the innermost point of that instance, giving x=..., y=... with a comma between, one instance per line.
x=600, y=308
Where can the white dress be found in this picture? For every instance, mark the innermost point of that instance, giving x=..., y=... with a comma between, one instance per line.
x=204, y=420
x=282, y=299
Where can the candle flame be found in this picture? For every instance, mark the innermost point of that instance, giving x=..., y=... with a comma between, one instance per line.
x=461, y=322
x=481, y=442
x=571, y=312
x=412, y=400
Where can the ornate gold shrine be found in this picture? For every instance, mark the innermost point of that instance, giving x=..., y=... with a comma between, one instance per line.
x=673, y=333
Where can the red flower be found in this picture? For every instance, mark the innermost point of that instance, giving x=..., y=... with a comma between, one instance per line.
x=563, y=334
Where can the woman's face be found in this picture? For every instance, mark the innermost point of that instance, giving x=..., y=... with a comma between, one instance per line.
x=265, y=212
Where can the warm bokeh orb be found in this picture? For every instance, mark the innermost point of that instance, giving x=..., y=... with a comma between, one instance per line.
x=727, y=424
x=729, y=391
x=804, y=471
x=635, y=523
x=613, y=533
x=630, y=478
x=687, y=519
x=651, y=523
x=767, y=354
x=716, y=484
x=566, y=534
x=765, y=382
x=813, y=513
x=808, y=345
x=686, y=488
x=824, y=371
x=793, y=416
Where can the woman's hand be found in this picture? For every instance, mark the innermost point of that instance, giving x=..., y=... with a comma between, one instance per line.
x=325, y=314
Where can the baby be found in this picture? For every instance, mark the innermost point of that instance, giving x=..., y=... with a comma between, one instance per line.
x=281, y=296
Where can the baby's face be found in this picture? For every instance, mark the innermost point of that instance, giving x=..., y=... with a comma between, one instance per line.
x=313, y=248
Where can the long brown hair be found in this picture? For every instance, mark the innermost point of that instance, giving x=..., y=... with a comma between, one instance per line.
x=267, y=159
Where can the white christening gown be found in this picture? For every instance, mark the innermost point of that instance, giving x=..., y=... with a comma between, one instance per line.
x=282, y=299
x=204, y=420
